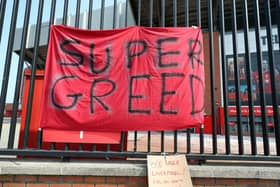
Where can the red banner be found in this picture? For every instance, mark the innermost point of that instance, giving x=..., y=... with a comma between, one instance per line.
x=133, y=78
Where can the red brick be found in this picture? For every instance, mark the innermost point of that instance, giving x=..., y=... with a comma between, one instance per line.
x=247, y=181
x=254, y=185
x=203, y=181
x=142, y=185
x=72, y=179
x=117, y=180
x=26, y=178
x=268, y=182
x=198, y=185
x=138, y=180
x=60, y=185
x=94, y=180
x=226, y=181
x=37, y=185
x=83, y=185
x=49, y=178
x=13, y=185
x=128, y=185
x=6, y=178
x=106, y=185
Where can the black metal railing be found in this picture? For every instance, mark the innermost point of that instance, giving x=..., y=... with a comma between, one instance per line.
x=221, y=143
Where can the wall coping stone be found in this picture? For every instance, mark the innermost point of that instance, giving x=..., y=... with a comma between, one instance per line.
x=133, y=168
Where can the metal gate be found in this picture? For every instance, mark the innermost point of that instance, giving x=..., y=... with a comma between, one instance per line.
x=242, y=42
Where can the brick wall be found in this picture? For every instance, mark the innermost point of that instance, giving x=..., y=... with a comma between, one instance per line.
x=100, y=181
x=70, y=181
x=205, y=182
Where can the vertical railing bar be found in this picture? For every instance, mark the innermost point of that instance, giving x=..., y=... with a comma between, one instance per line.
x=6, y=71
x=122, y=141
x=114, y=14
x=2, y=15
x=151, y=13
x=201, y=139
x=94, y=147
x=163, y=13
x=19, y=76
x=237, y=82
x=278, y=20
x=175, y=13
x=224, y=75
x=149, y=141
x=80, y=146
x=39, y=138
x=249, y=80
x=51, y=16
x=272, y=68
x=126, y=13
x=66, y=146
x=108, y=148
x=198, y=13
x=33, y=72
x=102, y=14
x=187, y=13
x=188, y=141
x=175, y=141
x=139, y=13
x=77, y=19
x=90, y=13
x=64, y=18
x=261, y=79
x=53, y=146
x=163, y=25
x=135, y=141
x=162, y=141
x=212, y=76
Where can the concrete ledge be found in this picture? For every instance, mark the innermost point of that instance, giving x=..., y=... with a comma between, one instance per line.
x=132, y=168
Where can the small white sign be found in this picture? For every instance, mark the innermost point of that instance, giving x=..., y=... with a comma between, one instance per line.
x=168, y=171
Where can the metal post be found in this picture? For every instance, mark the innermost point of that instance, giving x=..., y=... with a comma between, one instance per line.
x=225, y=76
x=249, y=80
x=139, y=13
x=6, y=72
x=33, y=72
x=261, y=80
x=272, y=68
x=114, y=14
x=102, y=15
x=236, y=77
x=187, y=13
x=64, y=19
x=2, y=14
x=19, y=76
x=77, y=19
x=175, y=13
x=212, y=76
x=151, y=13
x=198, y=12
x=90, y=14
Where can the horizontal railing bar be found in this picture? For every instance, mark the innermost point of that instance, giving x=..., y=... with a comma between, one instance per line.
x=59, y=154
